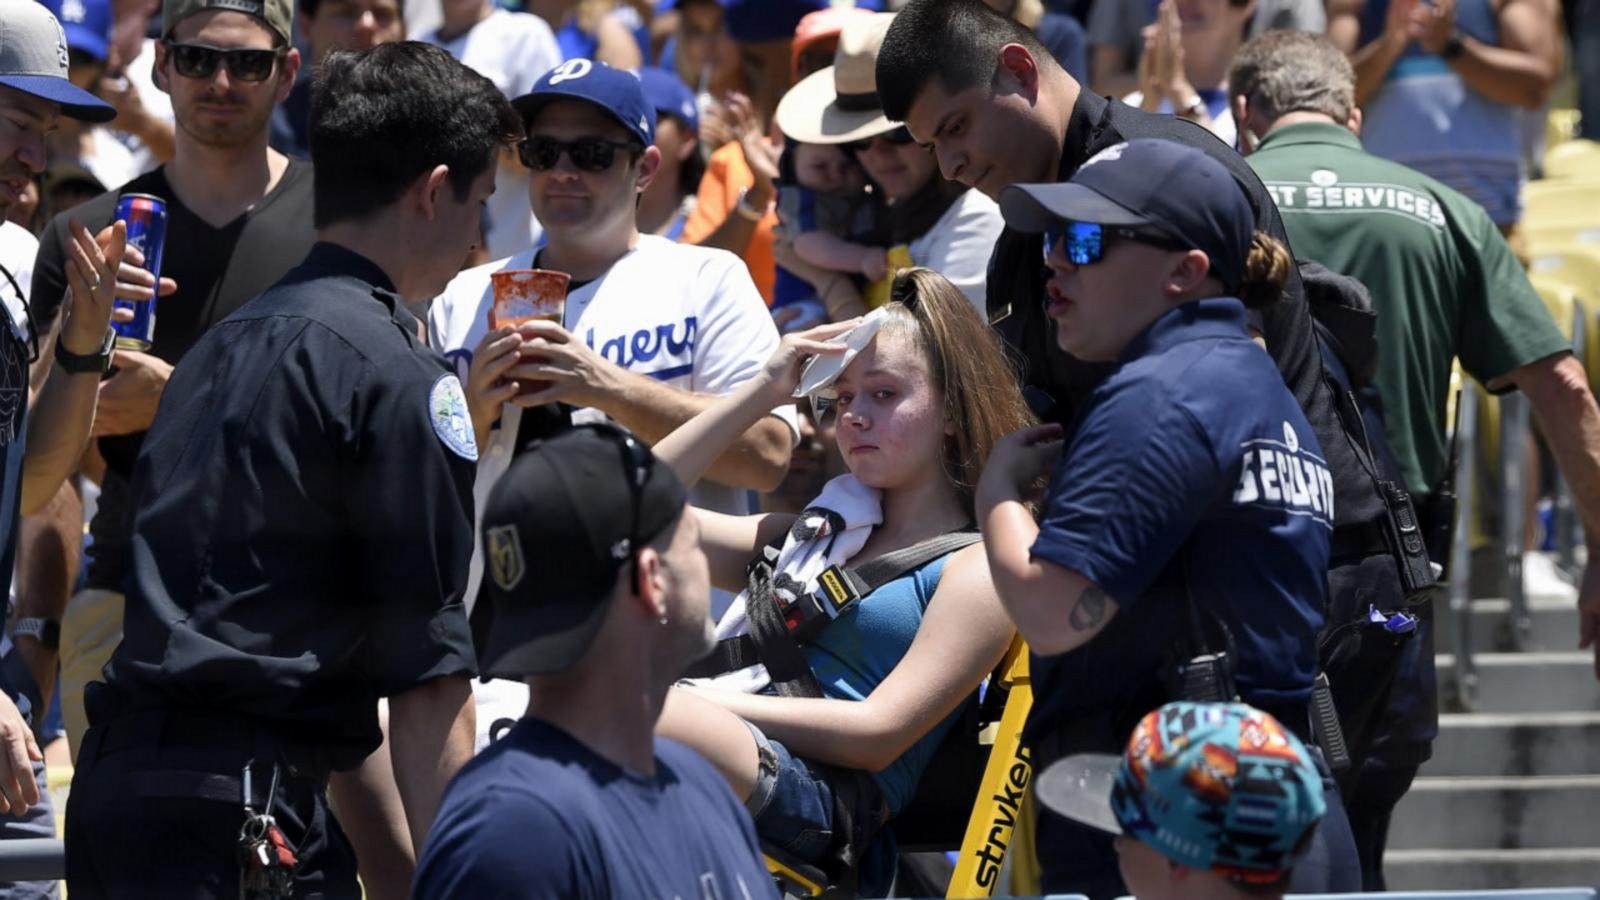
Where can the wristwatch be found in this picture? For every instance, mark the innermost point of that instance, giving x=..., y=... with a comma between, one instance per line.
x=46, y=631
x=86, y=364
x=1454, y=46
x=1195, y=108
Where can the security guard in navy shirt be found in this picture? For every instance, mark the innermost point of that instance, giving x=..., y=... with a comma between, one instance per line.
x=1190, y=513
x=304, y=525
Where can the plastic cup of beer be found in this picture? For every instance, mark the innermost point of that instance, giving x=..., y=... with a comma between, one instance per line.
x=522, y=295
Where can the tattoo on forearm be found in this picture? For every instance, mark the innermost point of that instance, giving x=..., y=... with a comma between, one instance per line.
x=1090, y=610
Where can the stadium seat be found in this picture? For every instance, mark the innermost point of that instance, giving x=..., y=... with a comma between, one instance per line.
x=1573, y=159
x=1570, y=202
x=1560, y=126
x=1578, y=269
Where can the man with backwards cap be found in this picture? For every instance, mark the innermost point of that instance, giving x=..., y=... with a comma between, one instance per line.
x=1210, y=801
x=38, y=452
x=597, y=596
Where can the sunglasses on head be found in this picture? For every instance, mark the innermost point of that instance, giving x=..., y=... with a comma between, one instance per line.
x=1085, y=242
x=637, y=464
x=201, y=61
x=591, y=154
x=899, y=137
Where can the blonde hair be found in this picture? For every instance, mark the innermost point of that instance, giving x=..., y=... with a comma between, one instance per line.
x=968, y=364
x=1266, y=271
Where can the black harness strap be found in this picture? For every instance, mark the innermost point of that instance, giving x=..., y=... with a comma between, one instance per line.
x=770, y=642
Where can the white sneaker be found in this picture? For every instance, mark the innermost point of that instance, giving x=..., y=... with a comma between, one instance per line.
x=1542, y=578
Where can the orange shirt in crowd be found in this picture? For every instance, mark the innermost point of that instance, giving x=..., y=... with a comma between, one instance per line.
x=726, y=175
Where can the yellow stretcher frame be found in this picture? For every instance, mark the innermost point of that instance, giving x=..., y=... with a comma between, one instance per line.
x=1003, y=791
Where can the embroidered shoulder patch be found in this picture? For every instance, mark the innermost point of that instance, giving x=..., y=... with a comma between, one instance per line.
x=447, y=409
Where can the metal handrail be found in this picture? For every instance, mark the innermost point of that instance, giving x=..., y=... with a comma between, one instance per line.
x=33, y=859
x=1460, y=593
x=1513, y=460
x=1568, y=529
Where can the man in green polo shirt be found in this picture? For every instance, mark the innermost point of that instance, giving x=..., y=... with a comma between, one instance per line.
x=1445, y=285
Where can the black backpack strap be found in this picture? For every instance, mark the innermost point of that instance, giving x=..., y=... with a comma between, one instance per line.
x=770, y=641
x=874, y=574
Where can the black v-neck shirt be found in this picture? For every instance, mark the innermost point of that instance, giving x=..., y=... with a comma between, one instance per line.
x=217, y=270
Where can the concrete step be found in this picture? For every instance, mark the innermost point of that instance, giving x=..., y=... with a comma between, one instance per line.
x=1527, y=812
x=1425, y=870
x=1555, y=626
x=1510, y=744
x=1525, y=682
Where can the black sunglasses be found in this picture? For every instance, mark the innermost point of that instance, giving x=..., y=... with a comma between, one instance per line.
x=1086, y=242
x=201, y=61
x=899, y=137
x=27, y=313
x=637, y=463
x=591, y=154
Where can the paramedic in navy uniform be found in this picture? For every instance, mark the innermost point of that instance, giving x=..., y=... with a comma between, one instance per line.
x=305, y=519
x=1191, y=473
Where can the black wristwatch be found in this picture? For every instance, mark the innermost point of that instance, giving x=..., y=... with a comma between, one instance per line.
x=87, y=364
x=1453, y=46
x=46, y=631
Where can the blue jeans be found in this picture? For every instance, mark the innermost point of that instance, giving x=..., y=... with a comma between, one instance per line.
x=38, y=822
x=1586, y=57
x=793, y=808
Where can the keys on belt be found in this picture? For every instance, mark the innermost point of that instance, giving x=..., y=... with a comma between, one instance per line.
x=266, y=861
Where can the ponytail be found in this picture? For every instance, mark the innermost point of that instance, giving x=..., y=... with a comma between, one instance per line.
x=1266, y=270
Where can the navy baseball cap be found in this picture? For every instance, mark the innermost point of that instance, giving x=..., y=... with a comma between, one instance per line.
x=1175, y=189
x=614, y=90
x=556, y=531
x=87, y=24
x=668, y=95
x=33, y=60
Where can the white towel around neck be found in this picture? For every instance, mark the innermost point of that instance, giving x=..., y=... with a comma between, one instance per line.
x=812, y=545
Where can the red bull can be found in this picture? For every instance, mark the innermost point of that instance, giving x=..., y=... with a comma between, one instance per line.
x=147, y=230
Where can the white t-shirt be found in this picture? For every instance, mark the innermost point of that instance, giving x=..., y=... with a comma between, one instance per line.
x=1222, y=124
x=688, y=316
x=513, y=50
x=958, y=246
x=18, y=247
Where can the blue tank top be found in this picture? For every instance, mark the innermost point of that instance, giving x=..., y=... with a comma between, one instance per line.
x=1424, y=116
x=861, y=648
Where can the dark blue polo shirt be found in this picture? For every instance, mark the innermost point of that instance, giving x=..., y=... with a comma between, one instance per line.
x=304, y=516
x=1191, y=469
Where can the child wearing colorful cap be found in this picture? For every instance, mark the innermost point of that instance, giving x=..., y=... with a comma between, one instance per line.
x=1209, y=800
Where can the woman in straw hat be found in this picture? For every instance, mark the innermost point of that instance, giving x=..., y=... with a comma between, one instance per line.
x=944, y=226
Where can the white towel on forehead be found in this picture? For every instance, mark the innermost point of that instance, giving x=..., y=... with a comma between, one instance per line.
x=831, y=530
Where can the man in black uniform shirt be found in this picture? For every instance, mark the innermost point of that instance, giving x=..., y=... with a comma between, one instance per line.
x=989, y=101
x=238, y=216
x=304, y=519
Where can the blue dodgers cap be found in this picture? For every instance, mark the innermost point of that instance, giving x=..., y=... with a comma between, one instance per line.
x=668, y=95
x=614, y=90
x=1178, y=189
x=87, y=24
x=33, y=60
x=1220, y=787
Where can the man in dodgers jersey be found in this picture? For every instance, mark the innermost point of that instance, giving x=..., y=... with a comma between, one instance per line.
x=653, y=330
